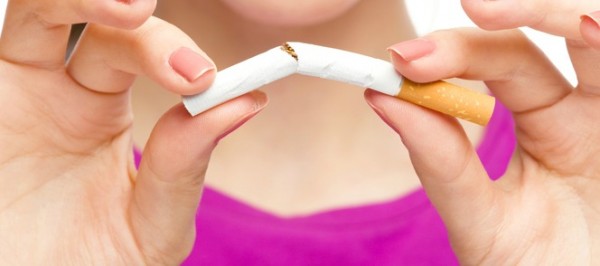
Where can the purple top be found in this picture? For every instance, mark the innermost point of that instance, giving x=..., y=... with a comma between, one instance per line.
x=404, y=231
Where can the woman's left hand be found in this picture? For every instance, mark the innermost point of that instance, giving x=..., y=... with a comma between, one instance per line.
x=546, y=207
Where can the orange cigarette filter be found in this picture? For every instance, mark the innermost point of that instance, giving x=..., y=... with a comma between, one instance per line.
x=449, y=99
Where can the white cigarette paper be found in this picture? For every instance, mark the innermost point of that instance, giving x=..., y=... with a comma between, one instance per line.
x=242, y=78
x=312, y=60
x=344, y=66
x=348, y=67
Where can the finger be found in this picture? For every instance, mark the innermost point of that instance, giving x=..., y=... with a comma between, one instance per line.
x=514, y=69
x=108, y=59
x=556, y=17
x=36, y=32
x=171, y=174
x=516, y=72
x=585, y=61
x=590, y=29
x=446, y=163
x=585, y=56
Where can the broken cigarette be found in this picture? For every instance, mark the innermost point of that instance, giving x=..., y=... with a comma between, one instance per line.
x=344, y=66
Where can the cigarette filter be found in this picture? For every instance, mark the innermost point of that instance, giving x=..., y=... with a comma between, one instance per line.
x=449, y=99
x=344, y=66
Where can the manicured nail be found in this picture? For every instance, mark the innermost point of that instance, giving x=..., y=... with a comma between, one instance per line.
x=413, y=49
x=593, y=17
x=190, y=64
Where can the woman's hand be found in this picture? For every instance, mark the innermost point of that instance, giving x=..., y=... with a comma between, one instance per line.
x=69, y=192
x=546, y=208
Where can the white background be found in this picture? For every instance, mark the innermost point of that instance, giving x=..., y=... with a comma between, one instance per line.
x=430, y=15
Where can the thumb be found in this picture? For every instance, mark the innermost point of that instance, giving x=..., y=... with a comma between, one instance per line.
x=444, y=159
x=171, y=175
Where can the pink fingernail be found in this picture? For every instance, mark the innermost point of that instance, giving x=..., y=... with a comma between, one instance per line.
x=593, y=17
x=190, y=64
x=413, y=49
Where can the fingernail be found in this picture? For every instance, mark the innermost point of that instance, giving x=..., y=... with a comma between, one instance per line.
x=261, y=100
x=413, y=49
x=593, y=17
x=190, y=64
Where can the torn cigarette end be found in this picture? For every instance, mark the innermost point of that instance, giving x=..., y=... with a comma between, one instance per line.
x=450, y=99
x=288, y=49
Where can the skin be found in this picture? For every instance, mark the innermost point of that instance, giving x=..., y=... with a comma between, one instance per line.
x=66, y=170
x=319, y=177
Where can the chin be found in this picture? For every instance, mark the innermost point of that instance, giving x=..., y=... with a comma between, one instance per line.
x=290, y=13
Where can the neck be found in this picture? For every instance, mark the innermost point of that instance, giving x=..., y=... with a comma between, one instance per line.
x=316, y=138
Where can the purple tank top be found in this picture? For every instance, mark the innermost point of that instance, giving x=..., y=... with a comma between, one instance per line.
x=405, y=231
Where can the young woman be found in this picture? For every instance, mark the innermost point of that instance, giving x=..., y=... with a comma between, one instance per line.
x=315, y=178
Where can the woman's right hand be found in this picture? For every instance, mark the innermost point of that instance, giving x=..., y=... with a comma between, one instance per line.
x=69, y=192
